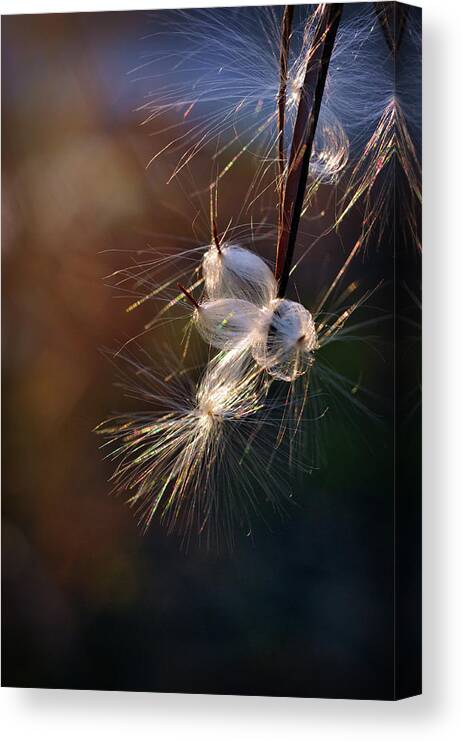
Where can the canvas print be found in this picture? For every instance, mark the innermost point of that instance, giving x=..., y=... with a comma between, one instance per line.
x=211, y=294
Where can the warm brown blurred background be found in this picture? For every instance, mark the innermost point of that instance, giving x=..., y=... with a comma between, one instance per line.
x=74, y=186
x=88, y=600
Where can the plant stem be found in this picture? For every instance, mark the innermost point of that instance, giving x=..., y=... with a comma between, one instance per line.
x=286, y=26
x=213, y=208
x=304, y=131
x=215, y=236
x=392, y=18
x=188, y=296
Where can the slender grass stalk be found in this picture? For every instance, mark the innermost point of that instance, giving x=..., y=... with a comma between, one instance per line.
x=303, y=137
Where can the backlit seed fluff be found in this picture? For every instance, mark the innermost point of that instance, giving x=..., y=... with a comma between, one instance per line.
x=286, y=339
x=239, y=273
x=227, y=323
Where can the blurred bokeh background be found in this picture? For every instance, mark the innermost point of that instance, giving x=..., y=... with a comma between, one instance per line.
x=303, y=608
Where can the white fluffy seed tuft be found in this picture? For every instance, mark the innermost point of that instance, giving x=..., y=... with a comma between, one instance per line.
x=227, y=323
x=286, y=339
x=237, y=273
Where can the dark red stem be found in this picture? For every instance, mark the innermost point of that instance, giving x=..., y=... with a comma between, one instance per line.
x=188, y=296
x=286, y=26
x=303, y=137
